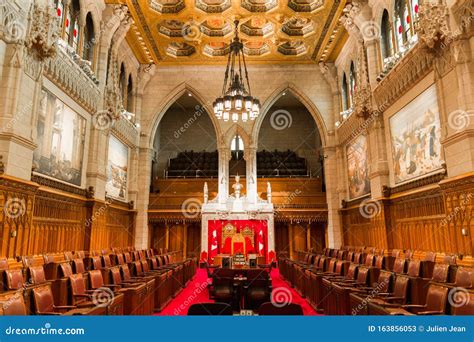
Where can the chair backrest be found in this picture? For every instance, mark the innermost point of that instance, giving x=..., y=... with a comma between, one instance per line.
x=409, y=254
x=36, y=274
x=43, y=299
x=68, y=256
x=145, y=266
x=396, y=253
x=352, y=271
x=363, y=275
x=400, y=289
x=414, y=268
x=430, y=256
x=78, y=266
x=137, y=267
x=14, y=305
x=369, y=260
x=125, y=272
x=96, y=263
x=120, y=260
x=350, y=256
x=341, y=254
x=357, y=257
x=464, y=277
x=65, y=270
x=384, y=283
x=449, y=259
x=96, y=280
x=332, y=265
x=467, y=305
x=322, y=262
x=316, y=260
x=115, y=276
x=210, y=309
x=78, y=286
x=80, y=254
x=437, y=298
x=154, y=263
x=107, y=262
x=340, y=266
x=291, y=309
x=14, y=279
x=257, y=275
x=3, y=263
x=399, y=266
x=379, y=261
x=127, y=257
x=441, y=273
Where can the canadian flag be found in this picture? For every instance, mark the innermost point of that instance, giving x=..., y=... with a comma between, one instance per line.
x=214, y=240
x=260, y=243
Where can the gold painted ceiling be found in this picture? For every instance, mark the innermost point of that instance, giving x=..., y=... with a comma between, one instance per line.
x=199, y=31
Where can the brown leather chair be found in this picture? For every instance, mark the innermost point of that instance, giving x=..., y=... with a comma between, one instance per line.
x=13, y=279
x=106, y=295
x=44, y=302
x=36, y=275
x=13, y=304
x=400, y=266
x=436, y=303
x=81, y=297
x=360, y=297
x=465, y=306
x=258, y=288
x=222, y=287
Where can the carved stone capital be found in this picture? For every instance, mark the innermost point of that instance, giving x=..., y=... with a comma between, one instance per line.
x=41, y=40
x=432, y=26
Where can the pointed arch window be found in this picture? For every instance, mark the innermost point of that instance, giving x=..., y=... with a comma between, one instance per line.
x=89, y=39
x=352, y=84
x=345, y=93
x=123, y=85
x=237, y=148
x=130, y=95
x=405, y=15
x=386, y=36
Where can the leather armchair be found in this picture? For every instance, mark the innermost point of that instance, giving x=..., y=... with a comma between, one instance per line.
x=13, y=304
x=44, y=302
x=258, y=288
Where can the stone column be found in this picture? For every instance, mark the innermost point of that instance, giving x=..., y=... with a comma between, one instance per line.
x=378, y=163
x=223, y=188
x=335, y=238
x=143, y=198
x=250, y=156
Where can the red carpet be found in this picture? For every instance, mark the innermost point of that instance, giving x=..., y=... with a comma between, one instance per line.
x=196, y=292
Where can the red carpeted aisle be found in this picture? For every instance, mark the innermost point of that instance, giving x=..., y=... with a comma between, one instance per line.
x=196, y=292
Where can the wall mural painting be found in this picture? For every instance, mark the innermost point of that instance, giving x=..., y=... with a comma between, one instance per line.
x=60, y=137
x=415, y=135
x=117, y=169
x=357, y=167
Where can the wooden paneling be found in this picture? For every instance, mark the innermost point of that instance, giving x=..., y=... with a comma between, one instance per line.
x=193, y=247
x=438, y=218
x=38, y=220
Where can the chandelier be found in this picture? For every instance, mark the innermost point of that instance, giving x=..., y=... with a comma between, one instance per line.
x=236, y=101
